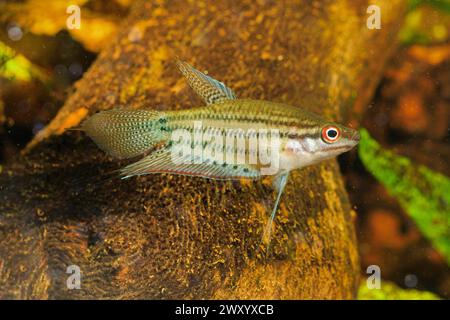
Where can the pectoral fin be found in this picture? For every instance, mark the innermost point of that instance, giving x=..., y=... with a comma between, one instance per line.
x=211, y=90
x=279, y=183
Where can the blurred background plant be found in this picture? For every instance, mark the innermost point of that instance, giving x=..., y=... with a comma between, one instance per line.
x=398, y=183
x=40, y=59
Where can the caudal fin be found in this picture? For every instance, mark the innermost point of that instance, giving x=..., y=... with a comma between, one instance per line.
x=126, y=133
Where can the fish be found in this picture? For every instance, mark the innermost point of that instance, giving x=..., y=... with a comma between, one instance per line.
x=226, y=139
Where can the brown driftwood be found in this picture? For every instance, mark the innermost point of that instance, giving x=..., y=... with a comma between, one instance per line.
x=165, y=236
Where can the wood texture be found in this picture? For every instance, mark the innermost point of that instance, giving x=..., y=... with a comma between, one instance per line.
x=165, y=236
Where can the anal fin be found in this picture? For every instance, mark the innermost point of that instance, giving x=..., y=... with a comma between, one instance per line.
x=162, y=161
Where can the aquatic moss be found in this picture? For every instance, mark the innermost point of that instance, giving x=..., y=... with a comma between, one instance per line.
x=418, y=28
x=16, y=67
x=13, y=67
x=390, y=291
x=422, y=193
x=441, y=5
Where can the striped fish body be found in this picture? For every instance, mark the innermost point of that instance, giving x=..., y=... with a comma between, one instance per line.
x=226, y=139
x=237, y=130
x=256, y=122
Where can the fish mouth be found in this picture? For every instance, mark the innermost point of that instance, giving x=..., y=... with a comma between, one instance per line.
x=351, y=142
x=356, y=137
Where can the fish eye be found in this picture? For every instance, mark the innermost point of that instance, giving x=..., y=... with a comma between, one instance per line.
x=330, y=134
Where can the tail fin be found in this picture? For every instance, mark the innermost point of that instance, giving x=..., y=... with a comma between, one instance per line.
x=126, y=133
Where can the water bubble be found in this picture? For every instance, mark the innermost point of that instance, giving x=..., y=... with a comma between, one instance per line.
x=37, y=127
x=411, y=280
x=15, y=33
x=76, y=70
x=60, y=69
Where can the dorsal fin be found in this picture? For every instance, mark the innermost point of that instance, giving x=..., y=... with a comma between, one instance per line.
x=211, y=90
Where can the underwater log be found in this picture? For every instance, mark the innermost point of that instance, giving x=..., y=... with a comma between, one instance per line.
x=63, y=213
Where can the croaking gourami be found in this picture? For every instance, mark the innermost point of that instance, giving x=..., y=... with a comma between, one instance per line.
x=229, y=138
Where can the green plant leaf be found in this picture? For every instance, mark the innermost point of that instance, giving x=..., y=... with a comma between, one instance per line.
x=423, y=193
x=442, y=5
x=16, y=67
x=390, y=291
